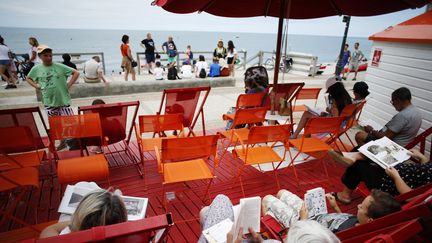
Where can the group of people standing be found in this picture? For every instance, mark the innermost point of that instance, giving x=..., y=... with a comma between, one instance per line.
x=224, y=59
x=352, y=60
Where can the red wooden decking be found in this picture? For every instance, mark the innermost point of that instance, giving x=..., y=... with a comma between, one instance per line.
x=189, y=197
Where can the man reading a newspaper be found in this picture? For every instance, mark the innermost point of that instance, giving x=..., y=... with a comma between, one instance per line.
x=402, y=128
x=287, y=208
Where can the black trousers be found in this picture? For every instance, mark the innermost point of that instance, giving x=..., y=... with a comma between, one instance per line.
x=363, y=171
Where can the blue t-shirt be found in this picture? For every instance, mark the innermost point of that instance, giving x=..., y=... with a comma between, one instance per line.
x=214, y=70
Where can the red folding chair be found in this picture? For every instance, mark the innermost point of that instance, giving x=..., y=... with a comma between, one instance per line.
x=115, y=127
x=152, y=229
x=306, y=94
x=287, y=91
x=349, y=112
x=403, y=232
x=185, y=101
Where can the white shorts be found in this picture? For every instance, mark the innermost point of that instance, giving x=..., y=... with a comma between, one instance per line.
x=354, y=66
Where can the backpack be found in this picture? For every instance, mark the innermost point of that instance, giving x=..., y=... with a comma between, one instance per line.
x=202, y=73
x=172, y=73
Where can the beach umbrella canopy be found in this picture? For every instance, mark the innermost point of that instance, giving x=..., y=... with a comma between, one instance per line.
x=288, y=9
x=299, y=9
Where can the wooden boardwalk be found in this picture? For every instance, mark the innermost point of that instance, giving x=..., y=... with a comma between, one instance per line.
x=188, y=197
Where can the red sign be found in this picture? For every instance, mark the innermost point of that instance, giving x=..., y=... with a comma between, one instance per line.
x=376, y=57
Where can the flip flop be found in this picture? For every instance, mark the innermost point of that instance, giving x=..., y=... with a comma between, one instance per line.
x=335, y=195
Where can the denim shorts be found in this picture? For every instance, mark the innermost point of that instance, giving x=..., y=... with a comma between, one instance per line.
x=4, y=62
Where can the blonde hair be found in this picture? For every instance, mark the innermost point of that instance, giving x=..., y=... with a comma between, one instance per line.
x=98, y=208
x=33, y=41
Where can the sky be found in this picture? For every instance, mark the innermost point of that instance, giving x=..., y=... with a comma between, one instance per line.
x=140, y=15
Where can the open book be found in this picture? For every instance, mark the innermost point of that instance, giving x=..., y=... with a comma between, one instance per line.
x=247, y=214
x=136, y=206
x=315, y=201
x=316, y=110
x=385, y=152
x=368, y=122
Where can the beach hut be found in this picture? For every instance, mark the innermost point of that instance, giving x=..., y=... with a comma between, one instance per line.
x=401, y=56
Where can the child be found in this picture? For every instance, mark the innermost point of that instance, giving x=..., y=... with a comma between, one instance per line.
x=51, y=79
x=214, y=68
x=172, y=71
x=158, y=71
x=186, y=71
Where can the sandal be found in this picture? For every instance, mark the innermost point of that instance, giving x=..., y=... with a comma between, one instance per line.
x=343, y=201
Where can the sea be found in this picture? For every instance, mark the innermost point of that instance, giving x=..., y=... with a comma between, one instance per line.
x=326, y=48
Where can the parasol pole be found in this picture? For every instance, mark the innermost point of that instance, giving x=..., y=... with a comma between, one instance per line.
x=283, y=10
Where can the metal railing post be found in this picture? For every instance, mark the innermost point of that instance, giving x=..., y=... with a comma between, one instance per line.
x=244, y=58
x=103, y=62
x=138, y=62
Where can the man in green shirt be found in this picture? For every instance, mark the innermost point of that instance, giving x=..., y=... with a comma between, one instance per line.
x=51, y=79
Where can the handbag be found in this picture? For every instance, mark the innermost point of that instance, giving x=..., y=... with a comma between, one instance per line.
x=284, y=107
x=134, y=63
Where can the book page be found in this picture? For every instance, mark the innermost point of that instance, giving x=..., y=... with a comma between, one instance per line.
x=249, y=215
x=72, y=197
x=316, y=110
x=218, y=232
x=368, y=122
x=385, y=152
x=315, y=202
x=136, y=207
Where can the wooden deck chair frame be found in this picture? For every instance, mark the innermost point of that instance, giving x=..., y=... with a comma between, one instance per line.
x=116, y=112
x=248, y=117
x=182, y=94
x=157, y=125
x=263, y=154
x=306, y=94
x=79, y=127
x=143, y=230
x=315, y=146
x=185, y=159
x=288, y=91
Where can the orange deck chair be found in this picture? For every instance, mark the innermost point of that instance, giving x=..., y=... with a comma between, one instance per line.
x=152, y=229
x=84, y=168
x=315, y=146
x=17, y=171
x=286, y=91
x=115, y=127
x=257, y=150
x=306, y=94
x=246, y=101
x=156, y=124
x=249, y=117
x=349, y=112
x=185, y=159
x=186, y=101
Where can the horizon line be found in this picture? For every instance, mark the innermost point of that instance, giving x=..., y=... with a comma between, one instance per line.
x=244, y=32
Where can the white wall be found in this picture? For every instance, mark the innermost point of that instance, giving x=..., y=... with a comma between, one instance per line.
x=401, y=64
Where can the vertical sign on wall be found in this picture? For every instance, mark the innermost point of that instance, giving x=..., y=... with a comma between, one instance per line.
x=376, y=57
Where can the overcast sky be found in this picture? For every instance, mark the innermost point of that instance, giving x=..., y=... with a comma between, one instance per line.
x=140, y=15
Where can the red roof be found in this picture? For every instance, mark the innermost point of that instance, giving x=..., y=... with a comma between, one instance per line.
x=415, y=30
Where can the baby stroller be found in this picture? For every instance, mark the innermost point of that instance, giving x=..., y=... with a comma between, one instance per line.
x=22, y=65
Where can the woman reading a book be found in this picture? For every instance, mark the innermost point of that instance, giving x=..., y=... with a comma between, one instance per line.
x=395, y=180
x=338, y=99
x=98, y=208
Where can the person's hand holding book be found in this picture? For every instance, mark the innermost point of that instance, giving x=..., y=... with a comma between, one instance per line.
x=392, y=172
x=304, y=213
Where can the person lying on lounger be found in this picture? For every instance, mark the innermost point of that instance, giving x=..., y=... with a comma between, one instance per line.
x=400, y=179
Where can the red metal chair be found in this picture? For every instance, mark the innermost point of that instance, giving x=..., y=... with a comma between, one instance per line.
x=314, y=146
x=246, y=101
x=187, y=102
x=185, y=159
x=87, y=168
x=115, y=127
x=349, y=112
x=152, y=229
x=306, y=94
x=253, y=152
x=287, y=91
x=403, y=232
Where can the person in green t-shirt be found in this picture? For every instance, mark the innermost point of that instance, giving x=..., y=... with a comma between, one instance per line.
x=51, y=79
